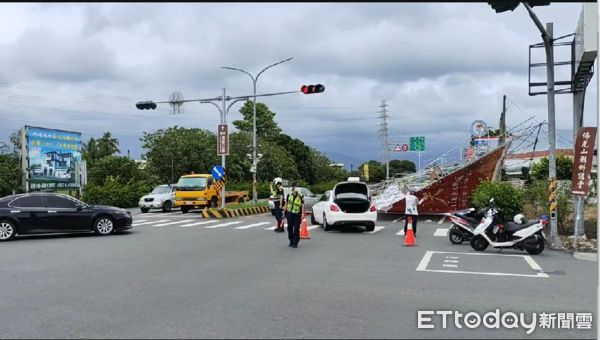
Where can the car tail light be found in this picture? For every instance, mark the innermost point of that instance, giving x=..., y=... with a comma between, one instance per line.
x=334, y=207
x=373, y=208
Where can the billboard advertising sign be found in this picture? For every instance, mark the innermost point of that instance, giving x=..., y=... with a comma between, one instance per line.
x=52, y=158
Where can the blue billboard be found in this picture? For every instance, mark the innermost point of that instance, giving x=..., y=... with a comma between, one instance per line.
x=53, y=158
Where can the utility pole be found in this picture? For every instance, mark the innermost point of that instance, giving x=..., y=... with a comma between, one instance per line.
x=223, y=121
x=384, y=134
x=503, y=122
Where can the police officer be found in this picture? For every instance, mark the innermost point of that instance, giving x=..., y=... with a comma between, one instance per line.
x=294, y=207
x=278, y=201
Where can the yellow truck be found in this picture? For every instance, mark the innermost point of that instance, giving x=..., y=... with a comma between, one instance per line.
x=197, y=191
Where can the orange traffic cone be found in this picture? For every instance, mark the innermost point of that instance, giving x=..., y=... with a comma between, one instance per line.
x=304, y=229
x=409, y=238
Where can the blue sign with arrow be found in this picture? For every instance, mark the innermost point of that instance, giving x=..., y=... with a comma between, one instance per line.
x=218, y=172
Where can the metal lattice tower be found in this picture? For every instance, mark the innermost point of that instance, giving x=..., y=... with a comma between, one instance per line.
x=384, y=136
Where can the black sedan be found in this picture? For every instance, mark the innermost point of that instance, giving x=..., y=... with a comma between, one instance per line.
x=40, y=213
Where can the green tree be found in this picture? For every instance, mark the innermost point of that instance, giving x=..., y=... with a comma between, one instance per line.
x=107, y=145
x=376, y=171
x=115, y=166
x=401, y=166
x=89, y=151
x=10, y=174
x=301, y=155
x=564, y=168
x=176, y=151
x=266, y=126
x=276, y=162
x=508, y=199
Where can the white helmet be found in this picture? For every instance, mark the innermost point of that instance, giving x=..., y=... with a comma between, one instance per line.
x=277, y=180
x=520, y=219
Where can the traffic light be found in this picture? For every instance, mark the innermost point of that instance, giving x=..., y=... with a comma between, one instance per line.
x=309, y=89
x=146, y=105
x=503, y=6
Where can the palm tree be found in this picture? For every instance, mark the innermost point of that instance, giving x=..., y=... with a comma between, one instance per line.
x=90, y=150
x=108, y=146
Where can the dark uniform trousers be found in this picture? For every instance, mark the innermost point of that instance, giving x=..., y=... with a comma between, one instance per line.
x=293, y=221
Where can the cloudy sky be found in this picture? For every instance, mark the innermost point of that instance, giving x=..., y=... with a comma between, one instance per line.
x=82, y=67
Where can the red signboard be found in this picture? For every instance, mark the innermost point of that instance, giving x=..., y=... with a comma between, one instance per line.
x=582, y=162
x=222, y=140
x=454, y=191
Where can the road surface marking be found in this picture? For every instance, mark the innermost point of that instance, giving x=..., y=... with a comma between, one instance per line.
x=171, y=223
x=451, y=261
x=222, y=225
x=160, y=214
x=252, y=225
x=273, y=228
x=313, y=227
x=450, y=265
x=195, y=224
x=377, y=229
x=424, y=261
x=442, y=220
x=441, y=232
x=532, y=263
x=398, y=219
x=422, y=267
x=136, y=224
x=400, y=233
x=143, y=221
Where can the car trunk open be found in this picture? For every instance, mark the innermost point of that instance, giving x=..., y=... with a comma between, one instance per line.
x=352, y=197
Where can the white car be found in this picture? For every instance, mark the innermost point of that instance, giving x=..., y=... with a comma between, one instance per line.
x=162, y=197
x=310, y=199
x=349, y=203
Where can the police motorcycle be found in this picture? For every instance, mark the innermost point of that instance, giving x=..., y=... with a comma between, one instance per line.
x=520, y=234
x=464, y=223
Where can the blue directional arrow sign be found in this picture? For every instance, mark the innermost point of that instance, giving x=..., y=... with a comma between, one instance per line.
x=218, y=172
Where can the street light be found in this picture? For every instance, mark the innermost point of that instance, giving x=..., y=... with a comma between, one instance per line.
x=254, y=80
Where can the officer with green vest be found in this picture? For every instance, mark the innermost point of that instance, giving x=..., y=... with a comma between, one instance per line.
x=278, y=200
x=294, y=208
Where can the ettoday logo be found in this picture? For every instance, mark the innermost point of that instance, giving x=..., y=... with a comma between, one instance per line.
x=509, y=320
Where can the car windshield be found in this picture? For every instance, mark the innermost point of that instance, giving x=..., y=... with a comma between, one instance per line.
x=161, y=190
x=192, y=183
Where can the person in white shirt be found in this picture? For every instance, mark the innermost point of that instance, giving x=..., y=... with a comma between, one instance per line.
x=411, y=210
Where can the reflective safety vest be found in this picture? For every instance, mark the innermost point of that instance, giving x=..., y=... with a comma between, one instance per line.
x=294, y=205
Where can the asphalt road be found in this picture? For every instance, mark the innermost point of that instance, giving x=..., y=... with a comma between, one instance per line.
x=180, y=276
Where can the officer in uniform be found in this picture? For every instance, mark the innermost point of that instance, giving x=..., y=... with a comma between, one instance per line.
x=278, y=201
x=294, y=207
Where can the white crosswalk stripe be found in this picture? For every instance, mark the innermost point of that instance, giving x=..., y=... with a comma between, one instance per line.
x=222, y=225
x=273, y=228
x=195, y=224
x=251, y=225
x=311, y=227
x=400, y=233
x=377, y=229
x=141, y=221
x=171, y=223
x=136, y=224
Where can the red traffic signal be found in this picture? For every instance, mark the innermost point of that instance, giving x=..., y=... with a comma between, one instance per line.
x=309, y=89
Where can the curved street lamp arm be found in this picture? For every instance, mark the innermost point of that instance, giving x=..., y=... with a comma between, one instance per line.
x=239, y=69
x=215, y=104
x=268, y=67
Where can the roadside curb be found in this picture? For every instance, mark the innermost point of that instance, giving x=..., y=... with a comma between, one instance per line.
x=223, y=213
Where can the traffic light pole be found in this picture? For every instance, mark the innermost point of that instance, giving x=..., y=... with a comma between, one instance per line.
x=547, y=36
x=223, y=109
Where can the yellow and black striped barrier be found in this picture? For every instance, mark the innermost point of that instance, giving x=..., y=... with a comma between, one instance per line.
x=223, y=213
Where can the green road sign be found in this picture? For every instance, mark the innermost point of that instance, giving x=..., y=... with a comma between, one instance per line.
x=417, y=143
